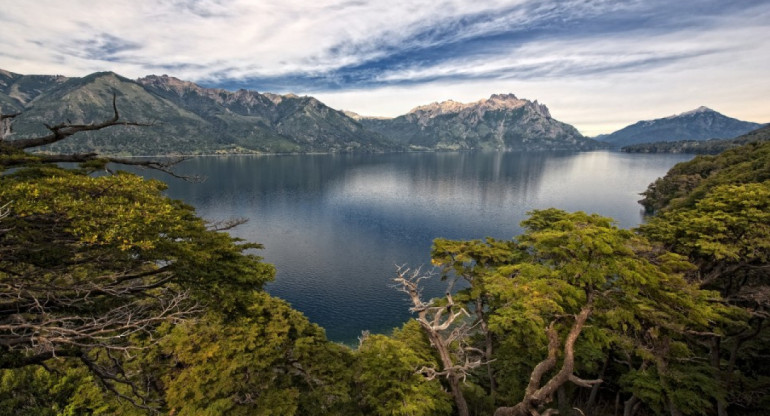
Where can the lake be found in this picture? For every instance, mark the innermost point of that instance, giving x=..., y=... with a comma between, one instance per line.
x=335, y=226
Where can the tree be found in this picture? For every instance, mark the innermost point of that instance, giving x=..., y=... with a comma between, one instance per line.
x=268, y=361
x=575, y=286
x=721, y=224
x=92, y=266
x=14, y=152
x=389, y=383
x=727, y=235
x=447, y=331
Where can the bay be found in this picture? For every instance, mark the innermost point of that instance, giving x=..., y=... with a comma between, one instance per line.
x=337, y=225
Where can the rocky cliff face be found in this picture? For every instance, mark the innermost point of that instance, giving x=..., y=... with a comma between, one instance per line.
x=700, y=124
x=501, y=122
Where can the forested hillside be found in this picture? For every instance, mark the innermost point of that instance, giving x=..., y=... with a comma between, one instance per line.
x=118, y=300
x=709, y=147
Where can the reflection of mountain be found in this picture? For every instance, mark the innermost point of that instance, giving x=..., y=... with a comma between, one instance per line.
x=441, y=181
x=453, y=195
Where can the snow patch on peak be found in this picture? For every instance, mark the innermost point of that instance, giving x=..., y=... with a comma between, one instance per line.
x=699, y=110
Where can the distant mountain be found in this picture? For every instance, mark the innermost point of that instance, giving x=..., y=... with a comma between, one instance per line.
x=700, y=124
x=502, y=122
x=267, y=121
x=186, y=118
x=710, y=147
x=17, y=90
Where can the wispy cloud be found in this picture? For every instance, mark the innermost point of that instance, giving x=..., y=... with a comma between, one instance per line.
x=337, y=47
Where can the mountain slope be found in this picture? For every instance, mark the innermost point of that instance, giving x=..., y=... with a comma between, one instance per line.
x=711, y=146
x=502, y=122
x=17, y=90
x=254, y=120
x=185, y=118
x=88, y=99
x=699, y=124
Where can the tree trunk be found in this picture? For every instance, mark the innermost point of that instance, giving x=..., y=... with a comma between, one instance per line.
x=716, y=364
x=630, y=405
x=536, y=396
x=447, y=364
x=595, y=389
x=487, y=347
x=457, y=394
x=563, y=401
x=673, y=409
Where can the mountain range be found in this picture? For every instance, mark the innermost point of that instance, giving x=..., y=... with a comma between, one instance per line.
x=700, y=124
x=187, y=118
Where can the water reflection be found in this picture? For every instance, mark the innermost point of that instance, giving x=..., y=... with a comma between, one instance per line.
x=335, y=226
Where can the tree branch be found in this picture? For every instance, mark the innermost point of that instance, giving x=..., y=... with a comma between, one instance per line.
x=63, y=130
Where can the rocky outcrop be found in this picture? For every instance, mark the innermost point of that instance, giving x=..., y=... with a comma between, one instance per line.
x=501, y=122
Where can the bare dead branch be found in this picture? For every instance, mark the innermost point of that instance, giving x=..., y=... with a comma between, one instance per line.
x=444, y=328
x=8, y=116
x=108, y=378
x=163, y=166
x=38, y=331
x=63, y=130
x=226, y=225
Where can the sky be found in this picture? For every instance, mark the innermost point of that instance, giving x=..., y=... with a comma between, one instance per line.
x=597, y=64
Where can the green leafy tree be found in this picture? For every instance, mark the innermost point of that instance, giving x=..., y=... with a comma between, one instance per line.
x=720, y=223
x=389, y=382
x=687, y=182
x=269, y=361
x=571, y=288
x=93, y=267
x=727, y=235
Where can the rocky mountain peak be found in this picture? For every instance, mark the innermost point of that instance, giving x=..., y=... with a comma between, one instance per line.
x=699, y=110
x=278, y=98
x=494, y=103
x=175, y=84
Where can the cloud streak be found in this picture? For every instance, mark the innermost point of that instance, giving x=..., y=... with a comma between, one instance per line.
x=368, y=47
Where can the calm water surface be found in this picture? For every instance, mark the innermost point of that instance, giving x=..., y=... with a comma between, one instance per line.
x=335, y=226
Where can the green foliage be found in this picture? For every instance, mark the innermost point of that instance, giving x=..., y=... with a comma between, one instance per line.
x=62, y=389
x=730, y=224
x=270, y=361
x=688, y=182
x=564, y=263
x=70, y=229
x=92, y=270
x=388, y=379
x=721, y=221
